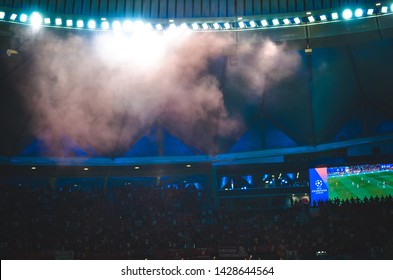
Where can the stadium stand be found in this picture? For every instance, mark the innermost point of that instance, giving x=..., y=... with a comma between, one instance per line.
x=160, y=223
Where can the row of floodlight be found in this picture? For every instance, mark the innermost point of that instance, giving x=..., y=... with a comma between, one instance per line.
x=36, y=20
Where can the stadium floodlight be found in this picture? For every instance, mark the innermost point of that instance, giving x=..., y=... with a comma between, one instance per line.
x=195, y=26
x=184, y=26
x=216, y=25
x=127, y=25
x=370, y=12
x=69, y=22
x=13, y=16
x=384, y=9
x=116, y=26
x=227, y=25
x=311, y=19
x=58, y=21
x=172, y=26
x=241, y=24
x=23, y=18
x=323, y=18
x=159, y=27
x=105, y=25
x=80, y=23
x=205, y=26
x=275, y=22
x=347, y=14
x=334, y=16
x=297, y=20
x=264, y=23
x=358, y=12
x=286, y=21
x=36, y=20
x=148, y=26
x=2, y=15
x=91, y=24
x=139, y=25
x=253, y=24
x=47, y=21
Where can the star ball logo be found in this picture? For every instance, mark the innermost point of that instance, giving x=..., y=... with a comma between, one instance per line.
x=318, y=183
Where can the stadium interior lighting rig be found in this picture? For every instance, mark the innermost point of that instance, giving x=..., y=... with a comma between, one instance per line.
x=36, y=20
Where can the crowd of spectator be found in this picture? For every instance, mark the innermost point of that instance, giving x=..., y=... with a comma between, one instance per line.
x=358, y=169
x=172, y=223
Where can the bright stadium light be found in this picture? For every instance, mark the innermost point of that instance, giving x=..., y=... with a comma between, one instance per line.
x=13, y=17
x=127, y=25
x=80, y=23
x=139, y=25
x=347, y=14
x=311, y=19
x=148, y=26
x=334, y=16
x=58, y=21
x=253, y=24
x=195, y=26
x=116, y=26
x=216, y=25
x=105, y=25
x=69, y=22
x=323, y=18
x=242, y=24
x=391, y=8
x=275, y=22
x=172, y=26
x=159, y=27
x=91, y=24
x=205, y=26
x=370, y=12
x=286, y=21
x=227, y=25
x=384, y=9
x=36, y=20
x=23, y=18
x=264, y=23
x=358, y=12
x=184, y=26
x=47, y=21
x=297, y=20
x=2, y=15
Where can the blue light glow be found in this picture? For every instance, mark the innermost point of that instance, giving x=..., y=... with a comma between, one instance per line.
x=23, y=18
x=347, y=14
x=36, y=20
x=358, y=12
x=80, y=23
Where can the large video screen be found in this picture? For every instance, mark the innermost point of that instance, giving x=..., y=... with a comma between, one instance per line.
x=346, y=182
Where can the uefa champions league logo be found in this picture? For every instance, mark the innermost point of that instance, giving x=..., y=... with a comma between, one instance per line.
x=318, y=183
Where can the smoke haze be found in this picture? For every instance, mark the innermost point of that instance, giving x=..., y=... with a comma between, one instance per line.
x=105, y=91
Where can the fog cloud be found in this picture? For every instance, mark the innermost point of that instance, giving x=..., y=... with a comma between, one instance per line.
x=105, y=92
